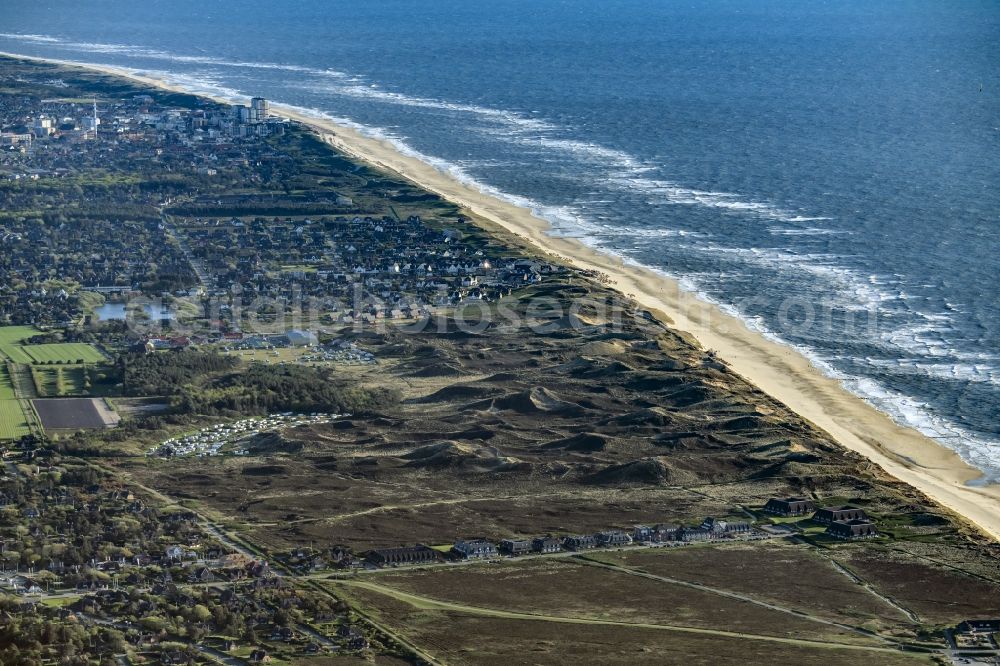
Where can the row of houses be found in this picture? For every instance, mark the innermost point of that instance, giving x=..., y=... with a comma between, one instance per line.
x=396, y=266
x=843, y=522
x=481, y=549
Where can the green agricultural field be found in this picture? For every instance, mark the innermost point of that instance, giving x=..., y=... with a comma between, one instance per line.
x=67, y=352
x=6, y=387
x=13, y=423
x=12, y=335
x=15, y=353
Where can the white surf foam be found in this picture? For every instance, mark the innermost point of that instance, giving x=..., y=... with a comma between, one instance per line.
x=979, y=373
x=504, y=117
x=807, y=231
x=660, y=191
x=155, y=54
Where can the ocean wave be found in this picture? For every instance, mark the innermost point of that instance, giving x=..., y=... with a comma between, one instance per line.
x=979, y=373
x=375, y=92
x=132, y=50
x=844, y=286
x=42, y=39
x=668, y=192
x=592, y=151
x=660, y=232
x=937, y=338
x=906, y=410
x=202, y=84
x=807, y=231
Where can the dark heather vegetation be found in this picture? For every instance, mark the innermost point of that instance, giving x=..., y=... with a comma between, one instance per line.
x=264, y=388
x=168, y=373
x=209, y=383
x=212, y=383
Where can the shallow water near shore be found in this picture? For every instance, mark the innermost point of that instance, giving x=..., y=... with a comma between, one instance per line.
x=827, y=173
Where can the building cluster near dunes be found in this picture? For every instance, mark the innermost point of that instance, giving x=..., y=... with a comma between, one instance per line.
x=642, y=535
x=843, y=522
x=69, y=121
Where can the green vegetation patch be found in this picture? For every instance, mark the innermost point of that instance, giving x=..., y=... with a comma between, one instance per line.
x=64, y=352
x=13, y=422
x=14, y=353
x=60, y=381
x=6, y=385
x=12, y=335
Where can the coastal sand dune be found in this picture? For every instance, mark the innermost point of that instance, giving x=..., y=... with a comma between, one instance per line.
x=776, y=369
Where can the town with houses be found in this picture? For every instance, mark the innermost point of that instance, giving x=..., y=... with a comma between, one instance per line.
x=162, y=244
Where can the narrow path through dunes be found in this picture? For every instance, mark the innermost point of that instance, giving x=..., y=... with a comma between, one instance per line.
x=427, y=603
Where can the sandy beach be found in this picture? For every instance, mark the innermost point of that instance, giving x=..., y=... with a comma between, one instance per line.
x=776, y=369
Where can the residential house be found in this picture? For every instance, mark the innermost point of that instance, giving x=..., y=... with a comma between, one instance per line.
x=852, y=529
x=580, y=542
x=259, y=656
x=692, y=534
x=832, y=514
x=789, y=506
x=475, y=549
x=546, y=544
x=611, y=538
x=723, y=528
x=515, y=547
x=419, y=554
x=201, y=575
x=659, y=533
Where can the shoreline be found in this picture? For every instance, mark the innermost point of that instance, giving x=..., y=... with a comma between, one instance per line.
x=774, y=368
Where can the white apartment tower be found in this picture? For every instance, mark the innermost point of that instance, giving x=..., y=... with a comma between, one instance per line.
x=43, y=126
x=258, y=110
x=90, y=123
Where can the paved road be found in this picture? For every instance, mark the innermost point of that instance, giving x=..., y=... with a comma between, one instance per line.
x=204, y=277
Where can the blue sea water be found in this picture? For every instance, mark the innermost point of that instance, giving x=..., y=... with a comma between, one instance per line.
x=843, y=154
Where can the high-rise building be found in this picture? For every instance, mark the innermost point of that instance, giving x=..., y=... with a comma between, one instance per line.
x=259, y=109
x=43, y=126
x=90, y=123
